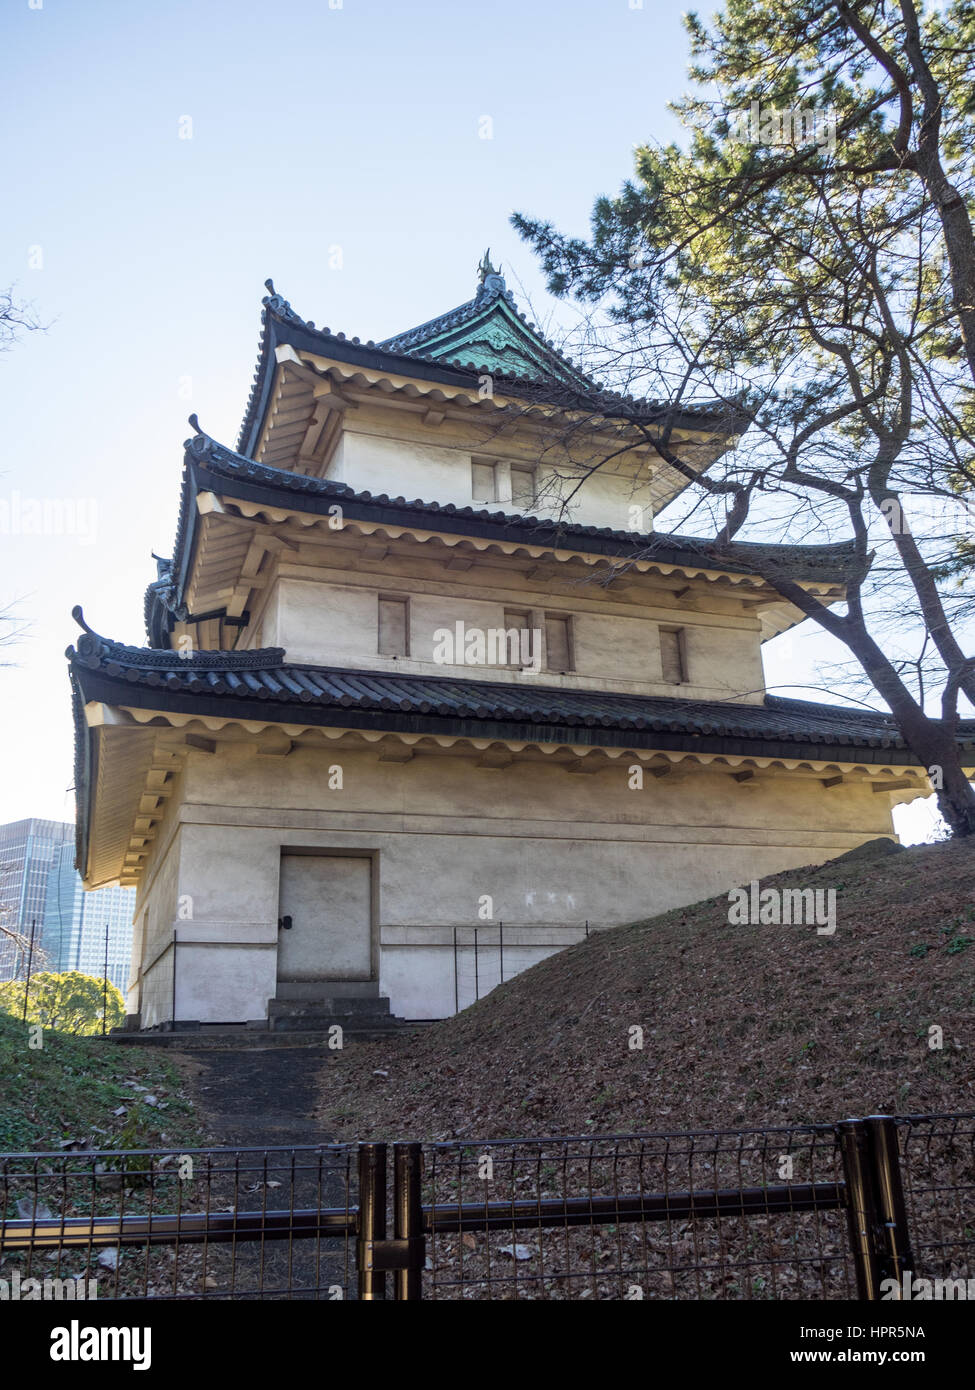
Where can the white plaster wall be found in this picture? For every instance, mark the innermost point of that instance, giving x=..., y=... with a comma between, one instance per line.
x=422, y=978
x=224, y=983
x=604, y=499
x=155, y=916
x=549, y=849
x=325, y=623
x=400, y=468
x=403, y=467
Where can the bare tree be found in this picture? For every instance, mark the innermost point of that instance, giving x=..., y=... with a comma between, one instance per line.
x=16, y=318
x=823, y=294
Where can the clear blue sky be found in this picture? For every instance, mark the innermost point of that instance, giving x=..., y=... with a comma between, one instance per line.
x=313, y=128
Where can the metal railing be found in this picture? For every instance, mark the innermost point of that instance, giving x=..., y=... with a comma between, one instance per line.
x=487, y=955
x=818, y=1211
x=703, y=1215
x=189, y=1224
x=936, y=1156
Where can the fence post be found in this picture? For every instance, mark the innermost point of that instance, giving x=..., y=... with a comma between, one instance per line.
x=408, y=1220
x=895, y=1255
x=372, y=1220
x=862, y=1212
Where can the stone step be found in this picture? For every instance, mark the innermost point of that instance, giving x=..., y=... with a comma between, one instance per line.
x=205, y=1039
x=334, y=1006
x=349, y=1023
x=327, y=989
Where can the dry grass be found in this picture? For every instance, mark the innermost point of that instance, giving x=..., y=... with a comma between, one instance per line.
x=743, y=1025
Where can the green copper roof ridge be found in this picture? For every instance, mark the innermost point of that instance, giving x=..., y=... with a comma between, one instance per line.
x=454, y=339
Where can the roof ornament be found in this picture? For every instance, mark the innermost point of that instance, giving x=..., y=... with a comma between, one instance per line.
x=79, y=618
x=89, y=644
x=485, y=268
x=194, y=424
x=279, y=305
x=490, y=281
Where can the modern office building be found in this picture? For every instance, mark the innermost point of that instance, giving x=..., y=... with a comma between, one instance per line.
x=27, y=851
x=40, y=890
x=82, y=929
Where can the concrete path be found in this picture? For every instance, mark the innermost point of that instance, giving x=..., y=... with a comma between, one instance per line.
x=256, y=1096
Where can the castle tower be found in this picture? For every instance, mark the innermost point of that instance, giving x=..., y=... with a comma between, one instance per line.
x=420, y=664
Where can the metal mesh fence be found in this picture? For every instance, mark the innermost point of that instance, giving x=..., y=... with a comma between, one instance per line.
x=937, y=1161
x=724, y=1215
x=801, y=1212
x=194, y=1224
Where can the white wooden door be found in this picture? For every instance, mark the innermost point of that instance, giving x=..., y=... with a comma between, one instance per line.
x=328, y=900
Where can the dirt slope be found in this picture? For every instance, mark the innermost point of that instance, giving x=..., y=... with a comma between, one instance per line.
x=742, y=1024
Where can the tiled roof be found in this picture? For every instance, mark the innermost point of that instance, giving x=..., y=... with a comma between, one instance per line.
x=825, y=562
x=259, y=684
x=405, y=354
x=489, y=333
x=204, y=456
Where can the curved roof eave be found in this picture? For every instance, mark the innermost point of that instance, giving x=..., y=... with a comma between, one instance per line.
x=262, y=684
x=212, y=467
x=281, y=325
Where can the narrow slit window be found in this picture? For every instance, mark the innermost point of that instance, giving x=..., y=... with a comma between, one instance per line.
x=522, y=488
x=392, y=627
x=672, y=655
x=558, y=642
x=520, y=649
x=483, y=482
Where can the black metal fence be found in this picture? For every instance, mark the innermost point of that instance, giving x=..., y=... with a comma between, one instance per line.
x=818, y=1211
x=486, y=956
x=190, y=1224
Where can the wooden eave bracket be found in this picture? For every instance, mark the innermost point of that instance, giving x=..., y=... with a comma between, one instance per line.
x=395, y=754
x=496, y=759
x=896, y=784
